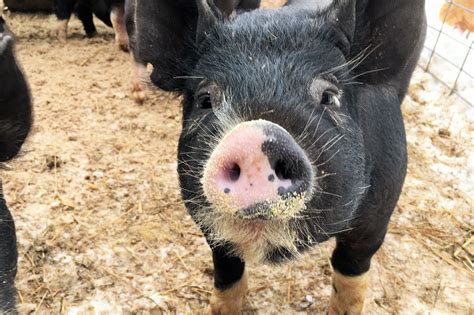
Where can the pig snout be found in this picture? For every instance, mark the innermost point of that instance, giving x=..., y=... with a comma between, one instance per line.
x=258, y=171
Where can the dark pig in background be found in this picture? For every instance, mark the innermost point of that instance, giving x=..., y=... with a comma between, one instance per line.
x=183, y=24
x=292, y=129
x=15, y=123
x=29, y=5
x=111, y=12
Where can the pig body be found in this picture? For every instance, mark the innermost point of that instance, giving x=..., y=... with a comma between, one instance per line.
x=292, y=129
x=15, y=123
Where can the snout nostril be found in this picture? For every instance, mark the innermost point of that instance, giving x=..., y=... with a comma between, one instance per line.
x=282, y=171
x=234, y=172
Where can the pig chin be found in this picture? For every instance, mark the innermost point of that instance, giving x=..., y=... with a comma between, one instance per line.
x=256, y=240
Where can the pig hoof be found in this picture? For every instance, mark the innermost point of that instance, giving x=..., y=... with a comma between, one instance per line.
x=122, y=43
x=229, y=301
x=62, y=37
x=348, y=294
x=91, y=34
x=61, y=31
x=218, y=307
x=123, y=47
x=138, y=93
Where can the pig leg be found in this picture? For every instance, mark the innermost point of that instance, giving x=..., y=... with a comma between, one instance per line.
x=8, y=259
x=348, y=294
x=249, y=5
x=63, y=10
x=351, y=263
x=230, y=283
x=138, y=79
x=84, y=13
x=61, y=30
x=117, y=16
x=139, y=74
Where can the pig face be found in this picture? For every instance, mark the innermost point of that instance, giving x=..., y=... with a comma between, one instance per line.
x=15, y=106
x=271, y=158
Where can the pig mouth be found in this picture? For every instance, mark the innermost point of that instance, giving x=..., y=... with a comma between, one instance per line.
x=282, y=209
x=261, y=211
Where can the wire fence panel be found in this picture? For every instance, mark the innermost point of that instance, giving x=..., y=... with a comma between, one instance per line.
x=448, y=52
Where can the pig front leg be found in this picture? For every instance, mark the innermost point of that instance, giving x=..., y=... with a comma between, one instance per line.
x=61, y=30
x=117, y=16
x=351, y=263
x=230, y=283
x=84, y=13
x=249, y=5
x=138, y=81
x=348, y=294
x=63, y=10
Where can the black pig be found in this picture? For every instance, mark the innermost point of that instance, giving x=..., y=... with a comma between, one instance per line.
x=15, y=123
x=184, y=13
x=292, y=129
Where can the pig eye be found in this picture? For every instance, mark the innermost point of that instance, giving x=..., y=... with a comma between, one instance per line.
x=330, y=98
x=208, y=95
x=325, y=92
x=204, y=100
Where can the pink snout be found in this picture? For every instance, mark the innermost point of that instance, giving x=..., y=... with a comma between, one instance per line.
x=256, y=171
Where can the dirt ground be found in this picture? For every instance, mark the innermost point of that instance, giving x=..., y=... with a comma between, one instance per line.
x=102, y=229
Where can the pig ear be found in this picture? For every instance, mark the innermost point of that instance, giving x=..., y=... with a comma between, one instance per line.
x=340, y=13
x=343, y=14
x=210, y=13
x=163, y=34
